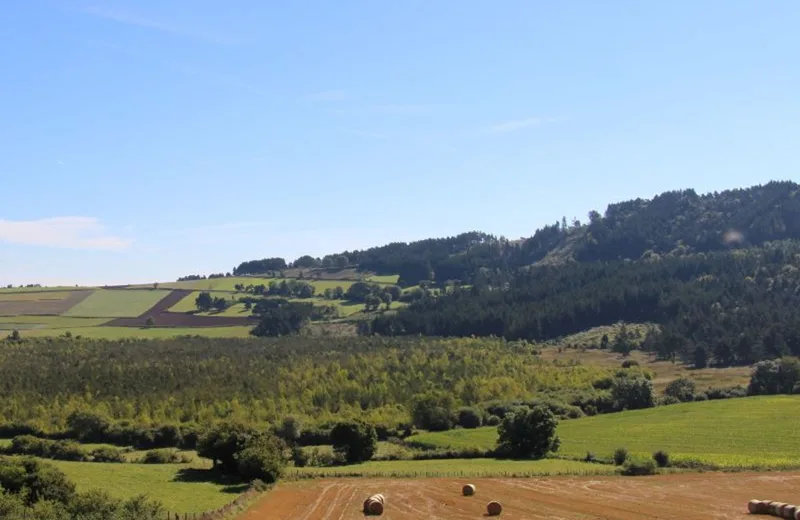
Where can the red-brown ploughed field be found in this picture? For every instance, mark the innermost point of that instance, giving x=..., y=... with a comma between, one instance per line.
x=686, y=496
x=163, y=318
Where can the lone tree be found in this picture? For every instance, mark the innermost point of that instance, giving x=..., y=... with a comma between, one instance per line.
x=528, y=434
x=356, y=441
x=149, y=322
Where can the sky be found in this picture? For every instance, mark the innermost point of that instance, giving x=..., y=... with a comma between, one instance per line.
x=144, y=140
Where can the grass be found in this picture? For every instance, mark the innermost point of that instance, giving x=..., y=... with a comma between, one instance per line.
x=119, y=303
x=180, y=487
x=52, y=323
x=745, y=433
x=456, y=468
x=58, y=288
x=137, y=332
x=390, y=279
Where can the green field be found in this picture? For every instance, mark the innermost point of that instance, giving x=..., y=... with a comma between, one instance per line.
x=390, y=279
x=59, y=288
x=117, y=303
x=745, y=433
x=177, y=486
x=51, y=323
x=187, y=304
x=141, y=332
x=8, y=296
x=456, y=468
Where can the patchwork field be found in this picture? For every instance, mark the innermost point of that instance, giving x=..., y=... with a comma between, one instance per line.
x=745, y=433
x=104, y=303
x=686, y=496
x=41, y=303
x=60, y=323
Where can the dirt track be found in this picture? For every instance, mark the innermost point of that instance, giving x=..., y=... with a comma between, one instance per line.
x=690, y=496
x=163, y=318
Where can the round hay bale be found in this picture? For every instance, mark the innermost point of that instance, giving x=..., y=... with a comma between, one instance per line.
x=468, y=490
x=775, y=508
x=494, y=508
x=375, y=507
x=788, y=512
x=380, y=498
x=756, y=507
x=797, y=513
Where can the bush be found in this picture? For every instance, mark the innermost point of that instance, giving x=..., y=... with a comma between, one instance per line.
x=668, y=400
x=604, y=383
x=469, y=418
x=620, y=456
x=590, y=457
x=730, y=392
x=628, y=363
x=433, y=411
x=632, y=393
x=683, y=389
x=492, y=420
x=355, y=441
x=299, y=457
x=636, y=469
x=261, y=458
x=528, y=433
x=68, y=450
x=662, y=458
x=778, y=376
x=162, y=456
x=108, y=454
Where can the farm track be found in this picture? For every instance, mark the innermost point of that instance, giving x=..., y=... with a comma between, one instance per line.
x=44, y=307
x=695, y=496
x=163, y=318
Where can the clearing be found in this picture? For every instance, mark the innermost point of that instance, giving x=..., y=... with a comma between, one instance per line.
x=105, y=303
x=743, y=433
x=687, y=496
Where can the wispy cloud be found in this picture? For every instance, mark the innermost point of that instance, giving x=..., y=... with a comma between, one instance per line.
x=127, y=18
x=328, y=95
x=60, y=162
x=519, y=124
x=61, y=232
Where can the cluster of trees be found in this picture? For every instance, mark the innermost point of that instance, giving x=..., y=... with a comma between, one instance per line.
x=260, y=266
x=205, y=302
x=287, y=288
x=370, y=294
x=30, y=488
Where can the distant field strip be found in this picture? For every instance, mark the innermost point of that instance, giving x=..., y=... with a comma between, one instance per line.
x=116, y=303
x=44, y=303
x=113, y=333
x=186, y=304
x=58, y=324
x=456, y=468
x=745, y=433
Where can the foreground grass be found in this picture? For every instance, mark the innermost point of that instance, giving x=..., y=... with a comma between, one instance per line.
x=118, y=303
x=747, y=433
x=456, y=468
x=180, y=487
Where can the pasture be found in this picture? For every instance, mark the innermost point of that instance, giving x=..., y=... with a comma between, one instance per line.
x=54, y=324
x=744, y=433
x=116, y=303
x=112, y=333
x=180, y=487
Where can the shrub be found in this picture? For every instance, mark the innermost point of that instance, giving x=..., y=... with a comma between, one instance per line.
x=620, y=456
x=632, y=393
x=683, y=389
x=356, y=441
x=492, y=420
x=469, y=418
x=662, y=458
x=590, y=457
x=604, y=383
x=433, y=411
x=261, y=458
x=636, y=469
x=67, y=450
x=528, y=433
x=299, y=457
x=162, y=456
x=628, y=363
x=668, y=400
x=108, y=454
x=730, y=392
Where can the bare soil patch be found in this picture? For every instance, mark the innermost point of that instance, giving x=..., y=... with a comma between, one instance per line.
x=680, y=496
x=41, y=304
x=163, y=318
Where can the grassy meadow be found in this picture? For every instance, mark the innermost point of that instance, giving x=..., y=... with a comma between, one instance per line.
x=745, y=433
x=180, y=487
x=116, y=303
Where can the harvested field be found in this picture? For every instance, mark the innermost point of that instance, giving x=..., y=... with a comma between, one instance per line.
x=40, y=303
x=115, y=303
x=163, y=318
x=686, y=496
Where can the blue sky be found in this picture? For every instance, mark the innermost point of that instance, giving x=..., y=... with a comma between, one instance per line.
x=143, y=140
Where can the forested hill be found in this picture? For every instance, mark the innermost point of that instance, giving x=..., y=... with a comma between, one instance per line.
x=673, y=223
